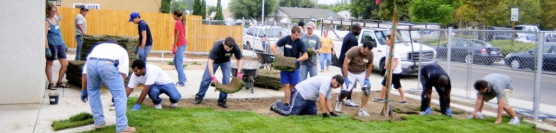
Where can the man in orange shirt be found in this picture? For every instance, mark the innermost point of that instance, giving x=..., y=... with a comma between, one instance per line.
x=327, y=49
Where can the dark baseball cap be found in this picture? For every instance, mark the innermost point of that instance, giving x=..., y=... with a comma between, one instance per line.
x=83, y=8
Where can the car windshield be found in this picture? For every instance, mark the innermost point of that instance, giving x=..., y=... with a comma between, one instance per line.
x=404, y=36
x=275, y=32
x=481, y=43
x=518, y=28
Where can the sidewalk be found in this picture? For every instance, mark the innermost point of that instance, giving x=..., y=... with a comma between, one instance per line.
x=21, y=118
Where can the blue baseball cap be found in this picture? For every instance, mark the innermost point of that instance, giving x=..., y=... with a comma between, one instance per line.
x=83, y=8
x=133, y=15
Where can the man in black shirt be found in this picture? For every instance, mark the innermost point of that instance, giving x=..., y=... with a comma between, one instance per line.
x=219, y=56
x=350, y=40
x=434, y=76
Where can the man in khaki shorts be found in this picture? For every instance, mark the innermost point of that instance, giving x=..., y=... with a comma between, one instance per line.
x=499, y=86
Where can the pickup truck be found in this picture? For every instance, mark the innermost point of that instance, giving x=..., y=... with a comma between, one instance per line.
x=411, y=54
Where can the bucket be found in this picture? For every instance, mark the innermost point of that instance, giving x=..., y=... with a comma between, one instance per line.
x=53, y=98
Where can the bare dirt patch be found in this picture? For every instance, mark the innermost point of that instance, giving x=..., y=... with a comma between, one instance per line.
x=262, y=106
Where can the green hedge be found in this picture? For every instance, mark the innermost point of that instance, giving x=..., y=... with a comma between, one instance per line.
x=506, y=47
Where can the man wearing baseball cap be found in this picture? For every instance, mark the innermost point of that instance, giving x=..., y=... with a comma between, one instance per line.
x=144, y=45
x=80, y=30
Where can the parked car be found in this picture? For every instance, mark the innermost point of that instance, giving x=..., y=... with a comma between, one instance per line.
x=526, y=59
x=501, y=33
x=471, y=51
x=550, y=37
x=529, y=36
x=255, y=33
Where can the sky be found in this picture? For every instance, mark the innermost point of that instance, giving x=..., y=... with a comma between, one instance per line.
x=225, y=2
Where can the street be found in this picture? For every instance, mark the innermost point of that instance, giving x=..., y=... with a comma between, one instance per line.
x=464, y=75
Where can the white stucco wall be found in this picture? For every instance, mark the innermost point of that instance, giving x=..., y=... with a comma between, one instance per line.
x=22, y=78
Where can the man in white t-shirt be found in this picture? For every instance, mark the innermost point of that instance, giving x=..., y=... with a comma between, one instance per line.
x=155, y=81
x=396, y=73
x=80, y=30
x=306, y=93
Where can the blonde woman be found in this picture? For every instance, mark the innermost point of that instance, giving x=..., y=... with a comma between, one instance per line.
x=55, y=46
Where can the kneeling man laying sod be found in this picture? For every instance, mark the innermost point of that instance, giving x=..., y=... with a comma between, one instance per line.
x=303, y=97
x=156, y=82
x=491, y=86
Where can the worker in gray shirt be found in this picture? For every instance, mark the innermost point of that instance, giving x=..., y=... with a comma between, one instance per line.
x=499, y=86
x=311, y=41
x=305, y=94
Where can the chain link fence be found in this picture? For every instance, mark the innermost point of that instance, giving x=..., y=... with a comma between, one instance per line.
x=469, y=55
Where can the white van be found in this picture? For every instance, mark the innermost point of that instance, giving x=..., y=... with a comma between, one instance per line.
x=254, y=35
x=411, y=55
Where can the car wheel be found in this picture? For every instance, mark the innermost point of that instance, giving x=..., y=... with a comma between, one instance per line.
x=469, y=59
x=489, y=62
x=516, y=64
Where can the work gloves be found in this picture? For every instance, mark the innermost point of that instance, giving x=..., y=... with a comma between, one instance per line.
x=136, y=107
x=48, y=53
x=84, y=96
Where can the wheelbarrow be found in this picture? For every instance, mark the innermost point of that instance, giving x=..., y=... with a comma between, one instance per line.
x=249, y=70
x=266, y=59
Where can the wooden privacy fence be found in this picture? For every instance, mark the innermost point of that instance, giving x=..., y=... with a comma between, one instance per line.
x=115, y=22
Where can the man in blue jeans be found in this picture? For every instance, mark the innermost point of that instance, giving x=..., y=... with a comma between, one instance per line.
x=80, y=30
x=306, y=93
x=293, y=47
x=219, y=56
x=144, y=45
x=156, y=82
x=311, y=41
x=107, y=63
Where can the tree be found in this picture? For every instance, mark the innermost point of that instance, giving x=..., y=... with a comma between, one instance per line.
x=548, y=14
x=251, y=8
x=298, y=3
x=203, y=9
x=386, y=9
x=197, y=7
x=182, y=5
x=364, y=9
x=219, y=15
x=435, y=11
x=165, y=6
x=480, y=11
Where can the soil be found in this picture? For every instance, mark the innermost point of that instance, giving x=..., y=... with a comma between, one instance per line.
x=261, y=106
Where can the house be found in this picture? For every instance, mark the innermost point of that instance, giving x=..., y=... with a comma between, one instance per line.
x=127, y=5
x=286, y=14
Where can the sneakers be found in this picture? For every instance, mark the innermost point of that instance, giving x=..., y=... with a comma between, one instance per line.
x=402, y=102
x=363, y=112
x=273, y=106
x=349, y=103
x=174, y=105
x=480, y=115
x=128, y=130
x=326, y=68
x=338, y=107
x=514, y=121
x=222, y=104
x=378, y=100
x=197, y=100
x=158, y=106
x=101, y=125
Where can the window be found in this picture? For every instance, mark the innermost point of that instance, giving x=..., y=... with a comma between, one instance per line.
x=261, y=33
x=87, y=5
x=367, y=37
x=251, y=31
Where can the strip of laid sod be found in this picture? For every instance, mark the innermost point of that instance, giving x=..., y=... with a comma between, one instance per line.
x=149, y=120
x=77, y=120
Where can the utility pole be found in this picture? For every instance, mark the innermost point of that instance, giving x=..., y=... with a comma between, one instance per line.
x=262, y=14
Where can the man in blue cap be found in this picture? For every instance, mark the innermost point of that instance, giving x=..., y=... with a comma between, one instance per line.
x=144, y=45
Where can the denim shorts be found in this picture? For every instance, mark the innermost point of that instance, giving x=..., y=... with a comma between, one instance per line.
x=58, y=51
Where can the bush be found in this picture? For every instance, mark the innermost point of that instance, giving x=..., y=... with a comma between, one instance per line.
x=506, y=47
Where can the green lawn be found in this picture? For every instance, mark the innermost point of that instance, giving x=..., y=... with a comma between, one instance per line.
x=208, y=120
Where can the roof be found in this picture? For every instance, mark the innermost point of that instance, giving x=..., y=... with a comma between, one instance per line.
x=315, y=13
